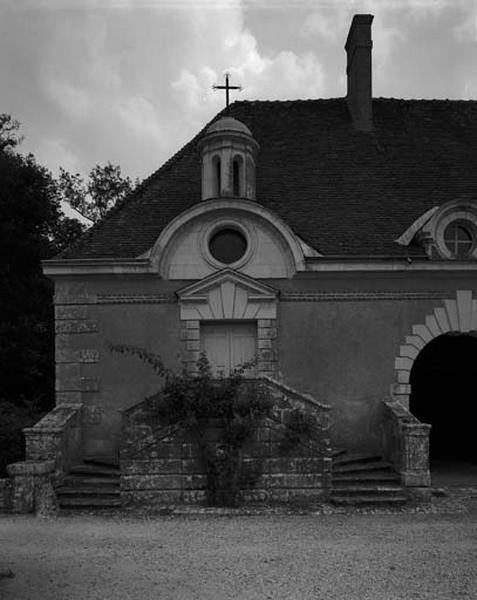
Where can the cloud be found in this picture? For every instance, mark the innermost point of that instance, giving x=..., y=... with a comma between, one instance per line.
x=466, y=30
x=71, y=100
x=130, y=81
x=59, y=154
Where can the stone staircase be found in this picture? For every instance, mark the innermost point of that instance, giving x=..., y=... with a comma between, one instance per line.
x=94, y=484
x=365, y=480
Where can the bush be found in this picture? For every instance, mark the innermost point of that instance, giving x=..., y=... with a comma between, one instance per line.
x=12, y=441
x=221, y=414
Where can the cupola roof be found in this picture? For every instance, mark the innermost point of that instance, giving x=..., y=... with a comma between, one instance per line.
x=228, y=124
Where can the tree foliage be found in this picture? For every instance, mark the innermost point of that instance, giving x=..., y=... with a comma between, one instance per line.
x=221, y=414
x=93, y=198
x=32, y=228
x=9, y=128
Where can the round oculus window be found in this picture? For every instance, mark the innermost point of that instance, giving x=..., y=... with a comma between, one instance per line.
x=228, y=245
x=459, y=239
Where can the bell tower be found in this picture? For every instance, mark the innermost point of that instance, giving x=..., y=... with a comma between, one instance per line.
x=229, y=154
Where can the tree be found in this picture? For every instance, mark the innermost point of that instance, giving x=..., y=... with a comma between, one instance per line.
x=95, y=197
x=32, y=228
x=9, y=137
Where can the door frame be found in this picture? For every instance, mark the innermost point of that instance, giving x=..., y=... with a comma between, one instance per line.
x=229, y=324
x=230, y=295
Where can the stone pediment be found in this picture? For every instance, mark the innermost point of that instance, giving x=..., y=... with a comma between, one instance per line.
x=227, y=295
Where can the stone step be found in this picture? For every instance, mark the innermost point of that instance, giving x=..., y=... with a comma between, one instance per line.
x=376, y=476
x=87, y=490
x=79, y=480
x=345, y=459
x=367, y=489
x=362, y=467
x=338, y=452
x=102, y=461
x=365, y=500
x=88, y=502
x=88, y=469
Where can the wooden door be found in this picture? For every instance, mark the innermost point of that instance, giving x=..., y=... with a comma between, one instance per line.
x=228, y=345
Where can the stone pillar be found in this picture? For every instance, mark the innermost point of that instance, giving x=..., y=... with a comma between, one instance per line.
x=32, y=487
x=415, y=473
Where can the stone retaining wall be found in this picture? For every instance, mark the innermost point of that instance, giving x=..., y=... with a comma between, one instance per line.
x=406, y=447
x=162, y=465
x=57, y=437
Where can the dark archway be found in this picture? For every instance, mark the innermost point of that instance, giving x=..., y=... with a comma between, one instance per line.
x=444, y=393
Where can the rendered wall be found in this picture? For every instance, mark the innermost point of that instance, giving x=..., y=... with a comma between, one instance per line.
x=92, y=314
x=338, y=337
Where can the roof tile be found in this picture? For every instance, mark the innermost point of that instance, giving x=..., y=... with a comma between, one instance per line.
x=345, y=192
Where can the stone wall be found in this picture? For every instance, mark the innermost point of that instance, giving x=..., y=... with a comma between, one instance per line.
x=53, y=446
x=32, y=487
x=162, y=465
x=5, y=494
x=57, y=438
x=405, y=444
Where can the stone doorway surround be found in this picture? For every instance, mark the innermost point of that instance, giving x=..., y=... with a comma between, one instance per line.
x=230, y=296
x=458, y=315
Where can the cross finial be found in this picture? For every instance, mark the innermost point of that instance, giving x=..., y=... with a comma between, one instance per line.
x=227, y=87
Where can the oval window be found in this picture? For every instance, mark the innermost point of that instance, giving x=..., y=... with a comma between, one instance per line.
x=459, y=240
x=227, y=246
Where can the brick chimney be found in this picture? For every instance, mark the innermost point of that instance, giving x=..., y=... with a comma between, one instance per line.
x=358, y=70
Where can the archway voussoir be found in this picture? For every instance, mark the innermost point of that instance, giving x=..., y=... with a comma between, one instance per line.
x=408, y=351
x=433, y=326
x=399, y=390
x=473, y=320
x=441, y=317
x=452, y=315
x=416, y=341
x=403, y=363
x=423, y=332
x=464, y=309
x=403, y=376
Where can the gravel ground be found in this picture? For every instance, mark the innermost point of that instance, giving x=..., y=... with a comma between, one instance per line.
x=280, y=556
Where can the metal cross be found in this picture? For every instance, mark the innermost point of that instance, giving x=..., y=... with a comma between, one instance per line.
x=227, y=87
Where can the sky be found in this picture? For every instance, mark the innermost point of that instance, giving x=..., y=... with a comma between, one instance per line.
x=130, y=81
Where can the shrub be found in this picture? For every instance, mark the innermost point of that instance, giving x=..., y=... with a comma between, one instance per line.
x=12, y=443
x=221, y=415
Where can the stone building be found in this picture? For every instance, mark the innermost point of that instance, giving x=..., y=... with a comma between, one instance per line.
x=335, y=239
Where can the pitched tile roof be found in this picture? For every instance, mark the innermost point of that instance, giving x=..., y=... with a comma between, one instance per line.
x=343, y=191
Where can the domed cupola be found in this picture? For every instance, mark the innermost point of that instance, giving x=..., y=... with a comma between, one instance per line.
x=228, y=160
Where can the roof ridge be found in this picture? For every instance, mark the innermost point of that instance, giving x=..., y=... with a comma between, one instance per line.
x=334, y=99
x=425, y=100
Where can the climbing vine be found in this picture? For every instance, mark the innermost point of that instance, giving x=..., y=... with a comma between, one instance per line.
x=221, y=415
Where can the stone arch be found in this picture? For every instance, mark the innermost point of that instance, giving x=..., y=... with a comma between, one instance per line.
x=457, y=315
x=241, y=207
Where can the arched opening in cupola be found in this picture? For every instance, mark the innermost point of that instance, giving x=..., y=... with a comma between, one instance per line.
x=237, y=176
x=216, y=176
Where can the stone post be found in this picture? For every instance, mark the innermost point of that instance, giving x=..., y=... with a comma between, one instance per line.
x=415, y=471
x=32, y=487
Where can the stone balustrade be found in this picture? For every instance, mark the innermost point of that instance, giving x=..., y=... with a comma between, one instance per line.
x=57, y=438
x=53, y=445
x=406, y=447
